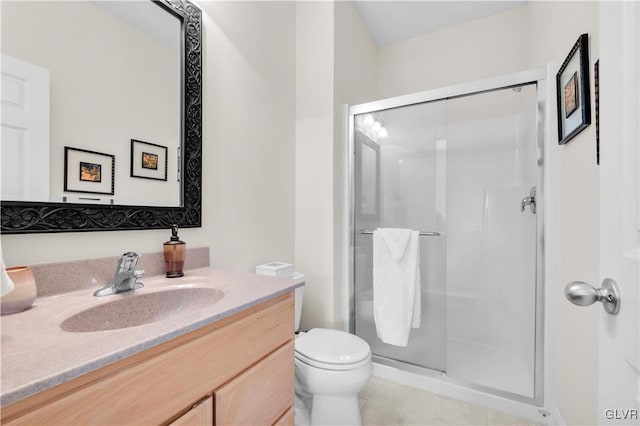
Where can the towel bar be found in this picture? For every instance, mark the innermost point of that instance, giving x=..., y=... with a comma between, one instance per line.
x=425, y=233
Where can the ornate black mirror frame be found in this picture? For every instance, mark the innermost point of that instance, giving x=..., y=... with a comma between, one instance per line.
x=23, y=217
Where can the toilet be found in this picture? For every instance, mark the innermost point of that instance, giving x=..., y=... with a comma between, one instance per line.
x=331, y=368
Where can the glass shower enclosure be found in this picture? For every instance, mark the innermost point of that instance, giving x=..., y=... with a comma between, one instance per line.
x=463, y=168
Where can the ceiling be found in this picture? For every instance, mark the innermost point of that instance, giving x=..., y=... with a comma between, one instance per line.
x=392, y=21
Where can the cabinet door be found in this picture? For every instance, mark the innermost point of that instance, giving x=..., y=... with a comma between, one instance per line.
x=287, y=418
x=200, y=415
x=260, y=395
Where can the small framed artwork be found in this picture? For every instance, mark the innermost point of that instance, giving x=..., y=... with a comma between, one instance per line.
x=596, y=85
x=148, y=160
x=572, y=87
x=88, y=171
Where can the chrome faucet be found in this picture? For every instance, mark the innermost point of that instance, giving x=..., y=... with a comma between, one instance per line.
x=126, y=276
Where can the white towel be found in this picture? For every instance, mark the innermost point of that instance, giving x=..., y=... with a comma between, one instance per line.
x=6, y=285
x=396, y=284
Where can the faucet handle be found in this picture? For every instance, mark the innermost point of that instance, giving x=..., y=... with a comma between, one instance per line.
x=126, y=276
x=127, y=262
x=529, y=201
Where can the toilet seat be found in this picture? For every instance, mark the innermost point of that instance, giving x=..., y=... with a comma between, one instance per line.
x=332, y=367
x=332, y=349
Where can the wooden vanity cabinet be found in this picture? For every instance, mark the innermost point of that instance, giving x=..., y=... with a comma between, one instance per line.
x=238, y=370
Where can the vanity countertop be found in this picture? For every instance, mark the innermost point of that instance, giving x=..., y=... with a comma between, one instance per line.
x=37, y=354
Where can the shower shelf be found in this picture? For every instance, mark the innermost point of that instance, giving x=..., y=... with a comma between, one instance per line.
x=422, y=233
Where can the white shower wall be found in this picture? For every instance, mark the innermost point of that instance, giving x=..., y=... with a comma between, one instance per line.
x=491, y=248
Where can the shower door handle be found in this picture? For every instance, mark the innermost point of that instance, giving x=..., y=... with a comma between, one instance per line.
x=529, y=201
x=582, y=294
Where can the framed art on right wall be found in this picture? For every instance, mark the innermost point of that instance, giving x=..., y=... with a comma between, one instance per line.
x=572, y=89
x=596, y=90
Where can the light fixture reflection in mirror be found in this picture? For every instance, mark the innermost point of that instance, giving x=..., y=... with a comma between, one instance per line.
x=372, y=126
x=112, y=132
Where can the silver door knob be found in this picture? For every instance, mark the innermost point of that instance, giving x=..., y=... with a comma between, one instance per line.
x=582, y=294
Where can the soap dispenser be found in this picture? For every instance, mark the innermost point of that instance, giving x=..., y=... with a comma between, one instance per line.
x=174, y=251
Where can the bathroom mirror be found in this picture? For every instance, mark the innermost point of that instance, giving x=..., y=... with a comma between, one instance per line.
x=173, y=152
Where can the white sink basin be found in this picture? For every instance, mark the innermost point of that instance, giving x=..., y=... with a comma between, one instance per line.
x=137, y=308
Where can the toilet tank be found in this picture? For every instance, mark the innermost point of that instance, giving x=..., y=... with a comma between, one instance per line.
x=298, y=278
x=282, y=269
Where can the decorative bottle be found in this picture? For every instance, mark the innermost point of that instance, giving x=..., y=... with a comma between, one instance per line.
x=174, y=252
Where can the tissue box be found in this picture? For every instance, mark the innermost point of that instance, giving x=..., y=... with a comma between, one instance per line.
x=275, y=269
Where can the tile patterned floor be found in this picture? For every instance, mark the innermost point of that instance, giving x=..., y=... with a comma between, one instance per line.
x=384, y=402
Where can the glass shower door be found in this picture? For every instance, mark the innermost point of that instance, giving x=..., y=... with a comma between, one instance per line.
x=461, y=167
x=491, y=243
x=400, y=171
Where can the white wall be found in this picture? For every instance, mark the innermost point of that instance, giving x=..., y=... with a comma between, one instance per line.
x=314, y=159
x=477, y=49
x=355, y=73
x=248, y=166
x=335, y=64
x=576, y=210
x=248, y=150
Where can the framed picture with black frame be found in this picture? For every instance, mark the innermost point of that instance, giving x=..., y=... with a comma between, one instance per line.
x=148, y=160
x=596, y=89
x=572, y=89
x=88, y=172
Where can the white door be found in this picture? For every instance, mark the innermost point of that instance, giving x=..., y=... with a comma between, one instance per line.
x=619, y=335
x=25, y=131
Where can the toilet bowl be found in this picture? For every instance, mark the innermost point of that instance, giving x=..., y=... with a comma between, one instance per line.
x=331, y=368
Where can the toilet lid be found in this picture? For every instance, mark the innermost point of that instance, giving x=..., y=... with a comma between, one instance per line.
x=332, y=347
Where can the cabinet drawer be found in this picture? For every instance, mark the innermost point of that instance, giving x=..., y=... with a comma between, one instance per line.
x=260, y=395
x=200, y=415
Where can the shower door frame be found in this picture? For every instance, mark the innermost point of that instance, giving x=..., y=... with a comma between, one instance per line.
x=535, y=76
